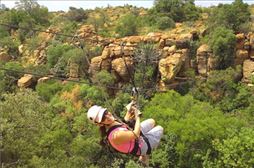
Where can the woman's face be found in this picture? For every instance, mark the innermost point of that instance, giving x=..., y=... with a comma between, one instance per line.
x=107, y=118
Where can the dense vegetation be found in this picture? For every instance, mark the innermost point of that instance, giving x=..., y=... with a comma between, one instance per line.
x=209, y=124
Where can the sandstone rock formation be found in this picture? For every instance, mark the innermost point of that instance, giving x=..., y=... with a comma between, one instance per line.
x=121, y=70
x=203, y=53
x=170, y=66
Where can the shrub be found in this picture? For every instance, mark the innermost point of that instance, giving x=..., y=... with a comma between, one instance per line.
x=127, y=25
x=223, y=41
x=48, y=89
x=77, y=15
x=165, y=22
x=234, y=151
x=195, y=125
x=56, y=52
x=11, y=44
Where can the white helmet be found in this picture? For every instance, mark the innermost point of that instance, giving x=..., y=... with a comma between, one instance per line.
x=95, y=113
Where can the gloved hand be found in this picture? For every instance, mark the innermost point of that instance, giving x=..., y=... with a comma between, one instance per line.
x=129, y=106
x=137, y=113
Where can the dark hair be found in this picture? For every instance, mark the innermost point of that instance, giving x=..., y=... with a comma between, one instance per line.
x=103, y=133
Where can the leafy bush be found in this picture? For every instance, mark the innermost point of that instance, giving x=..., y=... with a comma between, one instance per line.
x=56, y=52
x=11, y=44
x=104, y=78
x=222, y=41
x=3, y=32
x=127, y=25
x=165, y=22
x=234, y=151
x=8, y=79
x=48, y=89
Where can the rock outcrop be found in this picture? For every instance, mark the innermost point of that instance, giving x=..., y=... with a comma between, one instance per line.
x=248, y=70
x=203, y=54
x=25, y=81
x=4, y=57
x=170, y=66
x=121, y=67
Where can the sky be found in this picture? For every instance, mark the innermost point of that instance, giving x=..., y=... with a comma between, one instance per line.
x=57, y=5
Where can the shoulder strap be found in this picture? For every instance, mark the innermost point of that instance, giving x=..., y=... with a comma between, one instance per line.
x=112, y=128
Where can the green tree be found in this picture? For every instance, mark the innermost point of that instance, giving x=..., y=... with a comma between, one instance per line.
x=231, y=16
x=178, y=10
x=76, y=14
x=8, y=79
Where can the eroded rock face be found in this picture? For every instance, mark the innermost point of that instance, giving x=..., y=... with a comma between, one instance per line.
x=203, y=53
x=120, y=69
x=248, y=70
x=240, y=41
x=170, y=66
x=99, y=63
x=25, y=81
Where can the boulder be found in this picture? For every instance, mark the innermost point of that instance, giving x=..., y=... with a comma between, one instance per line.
x=251, y=54
x=97, y=64
x=240, y=56
x=120, y=70
x=166, y=51
x=240, y=38
x=252, y=41
x=4, y=57
x=248, y=70
x=169, y=67
x=203, y=49
x=25, y=81
x=134, y=39
x=105, y=53
x=170, y=42
x=128, y=51
x=182, y=43
x=21, y=49
x=203, y=53
x=161, y=43
x=117, y=51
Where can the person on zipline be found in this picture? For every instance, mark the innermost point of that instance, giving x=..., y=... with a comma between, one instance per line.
x=139, y=141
